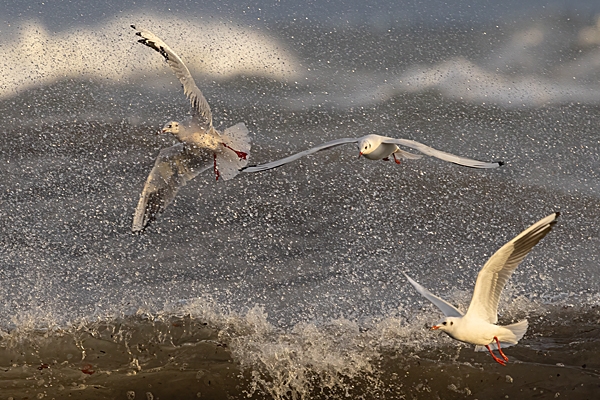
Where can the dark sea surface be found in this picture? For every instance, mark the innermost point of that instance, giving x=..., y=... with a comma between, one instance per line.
x=288, y=284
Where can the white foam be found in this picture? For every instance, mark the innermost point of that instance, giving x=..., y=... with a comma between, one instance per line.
x=289, y=362
x=33, y=56
x=523, y=71
x=463, y=80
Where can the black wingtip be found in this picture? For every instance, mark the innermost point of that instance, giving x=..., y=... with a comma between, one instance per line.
x=247, y=166
x=553, y=222
x=138, y=33
x=500, y=163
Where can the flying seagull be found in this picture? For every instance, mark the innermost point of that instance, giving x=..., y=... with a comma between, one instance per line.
x=376, y=147
x=478, y=325
x=201, y=145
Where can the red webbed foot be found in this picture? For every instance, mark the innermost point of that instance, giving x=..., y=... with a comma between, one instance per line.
x=395, y=159
x=499, y=361
x=240, y=154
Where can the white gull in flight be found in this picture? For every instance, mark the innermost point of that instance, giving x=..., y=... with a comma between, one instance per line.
x=201, y=147
x=376, y=147
x=478, y=325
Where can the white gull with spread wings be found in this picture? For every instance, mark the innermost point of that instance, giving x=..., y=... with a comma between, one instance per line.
x=478, y=325
x=376, y=147
x=201, y=147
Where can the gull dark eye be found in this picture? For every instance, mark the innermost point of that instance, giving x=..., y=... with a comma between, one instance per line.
x=443, y=323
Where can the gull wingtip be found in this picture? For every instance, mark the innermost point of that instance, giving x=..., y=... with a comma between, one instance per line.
x=138, y=33
x=410, y=280
x=137, y=227
x=553, y=217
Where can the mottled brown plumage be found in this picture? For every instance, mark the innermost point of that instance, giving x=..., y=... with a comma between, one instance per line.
x=201, y=147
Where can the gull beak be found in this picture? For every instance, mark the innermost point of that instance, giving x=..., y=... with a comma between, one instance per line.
x=359, y=154
x=433, y=328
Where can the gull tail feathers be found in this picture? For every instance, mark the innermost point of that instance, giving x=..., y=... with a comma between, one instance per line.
x=517, y=329
x=511, y=336
x=228, y=161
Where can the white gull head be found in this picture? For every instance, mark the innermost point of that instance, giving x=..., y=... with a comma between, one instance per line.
x=368, y=144
x=447, y=324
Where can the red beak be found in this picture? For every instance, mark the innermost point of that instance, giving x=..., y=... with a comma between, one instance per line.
x=433, y=328
x=359, y=154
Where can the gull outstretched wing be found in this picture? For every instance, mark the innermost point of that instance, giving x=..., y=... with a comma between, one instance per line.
x=200, y=109
x=174, y=166
x=495, y=273
x=448, y=309
x=294, y=157
x=442, y=155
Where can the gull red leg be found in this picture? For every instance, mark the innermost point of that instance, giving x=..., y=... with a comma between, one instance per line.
x=217, y=173
x=240, y=154
x=395, y=159
x=500, y=350
x=499, y=361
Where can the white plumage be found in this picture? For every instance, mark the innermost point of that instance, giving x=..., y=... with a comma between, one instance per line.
x=376, y=147
x=478, y=325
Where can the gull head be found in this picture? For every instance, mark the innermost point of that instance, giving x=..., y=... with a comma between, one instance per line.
x=171, y=127
x=447, y=324
x=366, y=146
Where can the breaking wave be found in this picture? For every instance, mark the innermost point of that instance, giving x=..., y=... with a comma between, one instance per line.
x=34, y=56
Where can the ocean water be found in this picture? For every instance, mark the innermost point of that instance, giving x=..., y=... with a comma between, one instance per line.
x=288, y=284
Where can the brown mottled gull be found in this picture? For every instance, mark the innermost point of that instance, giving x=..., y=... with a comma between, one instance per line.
x=201, y=147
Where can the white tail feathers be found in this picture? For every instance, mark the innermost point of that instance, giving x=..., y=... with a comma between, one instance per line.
x=518, y=329
x=228, y=162
x=509, y=337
